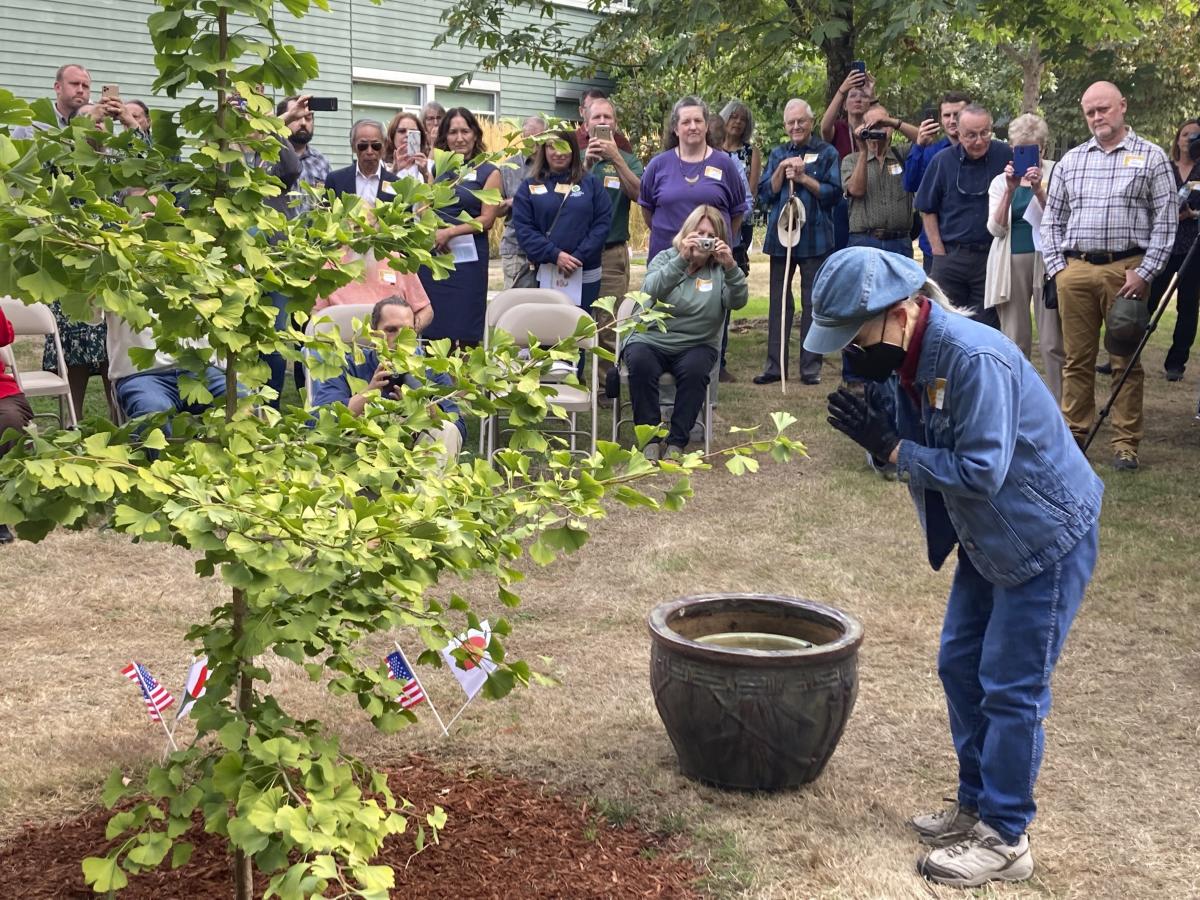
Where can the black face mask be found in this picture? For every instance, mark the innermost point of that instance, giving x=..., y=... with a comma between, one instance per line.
x=876, y=362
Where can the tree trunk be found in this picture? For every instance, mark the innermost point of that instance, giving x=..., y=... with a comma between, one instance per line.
x=1032, y=69
x=243, y=870
x=839, y=49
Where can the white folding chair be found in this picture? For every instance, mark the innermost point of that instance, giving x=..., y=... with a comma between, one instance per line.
x=500, y=303
x=334, y=318
x=544, y=324
x=36, y=320
x=666, y=388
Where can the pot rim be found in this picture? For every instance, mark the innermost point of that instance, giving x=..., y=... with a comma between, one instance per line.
x=847, y=644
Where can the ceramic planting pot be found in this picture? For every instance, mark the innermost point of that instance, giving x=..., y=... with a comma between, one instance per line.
x=741, y=716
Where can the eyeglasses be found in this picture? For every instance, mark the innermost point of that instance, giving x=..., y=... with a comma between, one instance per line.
x=958, y=182
x=798, y=123
x=974, y=136
x=377, y=146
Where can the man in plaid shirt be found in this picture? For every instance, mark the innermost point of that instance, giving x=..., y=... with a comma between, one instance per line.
x=1108, y=229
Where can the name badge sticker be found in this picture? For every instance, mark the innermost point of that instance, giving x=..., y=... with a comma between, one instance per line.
x=612, y=182
x=810, y=158
x=537, y=189
x=895, y=169
x=468, y=175
x=713, y=172
x=562, y=189
x=1134, y=161
x=704, y=285
x=937, y=393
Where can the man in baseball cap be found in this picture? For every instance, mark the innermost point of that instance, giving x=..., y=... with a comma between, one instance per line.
x=963, y=419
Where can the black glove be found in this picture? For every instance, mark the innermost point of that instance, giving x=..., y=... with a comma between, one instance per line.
x=867, y=425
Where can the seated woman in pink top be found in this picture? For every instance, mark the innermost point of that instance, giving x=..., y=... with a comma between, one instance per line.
x=377, y=282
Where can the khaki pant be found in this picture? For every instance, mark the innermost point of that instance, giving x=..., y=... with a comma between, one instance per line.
x=1085, y=292
x=513, y=266
x=614, y=282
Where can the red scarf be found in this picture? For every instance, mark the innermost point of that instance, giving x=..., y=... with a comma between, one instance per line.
x=912, y=358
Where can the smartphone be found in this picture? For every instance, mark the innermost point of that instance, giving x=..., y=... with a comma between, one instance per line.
x=414, y=142
x=603, y=132
x=323, y=104
x=929, y=112
x=110, y=91
x=858, y=66
x=1025, y=157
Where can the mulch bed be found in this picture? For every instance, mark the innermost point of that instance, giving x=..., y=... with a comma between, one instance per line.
x=504, y=838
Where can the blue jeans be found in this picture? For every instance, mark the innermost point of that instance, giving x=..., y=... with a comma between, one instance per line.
x=158, y=391
x=999, y=649
x=903, y=246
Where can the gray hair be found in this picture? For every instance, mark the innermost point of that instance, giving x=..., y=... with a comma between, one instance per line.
x=933, y=291
x=738, y=106
x=393, y=300
x=799, y=101
x=433, y=106
x=974, y=109
x=362, y=123
x=1029, y=129
x=538, y=119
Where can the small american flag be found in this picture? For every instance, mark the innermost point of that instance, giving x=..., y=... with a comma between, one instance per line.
x=398, y=668
x=156, y=696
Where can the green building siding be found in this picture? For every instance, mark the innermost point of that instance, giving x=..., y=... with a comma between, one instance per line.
x=372, y=58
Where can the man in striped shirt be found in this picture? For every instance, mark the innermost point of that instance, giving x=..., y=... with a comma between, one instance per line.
x=1108, y=229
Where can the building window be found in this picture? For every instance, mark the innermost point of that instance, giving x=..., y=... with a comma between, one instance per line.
x=374, y=100
x=481, y=103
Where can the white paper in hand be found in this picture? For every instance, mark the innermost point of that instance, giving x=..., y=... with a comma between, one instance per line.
x=1033, y=215
x=572, y=285
x=463, y=248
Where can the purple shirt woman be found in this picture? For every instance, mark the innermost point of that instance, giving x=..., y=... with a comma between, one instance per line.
x=686, y=175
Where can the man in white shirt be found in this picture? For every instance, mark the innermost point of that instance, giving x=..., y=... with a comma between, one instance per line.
x=367, y=176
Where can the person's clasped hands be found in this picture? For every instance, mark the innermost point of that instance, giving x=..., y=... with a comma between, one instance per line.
x=865, y=423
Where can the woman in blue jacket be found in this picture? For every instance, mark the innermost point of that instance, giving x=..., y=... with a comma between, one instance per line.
x=562, y=215
x=971, y=428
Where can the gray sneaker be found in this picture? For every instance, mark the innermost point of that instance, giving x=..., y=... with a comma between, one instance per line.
x=981, y=858
x=946, y=826
x=652, y=451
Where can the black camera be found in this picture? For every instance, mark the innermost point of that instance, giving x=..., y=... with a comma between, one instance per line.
x=1194, y=148
x=868, y=134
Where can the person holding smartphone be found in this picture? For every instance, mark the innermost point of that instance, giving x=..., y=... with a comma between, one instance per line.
x=699, y=281
x=406, y=148
x=314, y=167
x=1016, y=272
x=927, y=145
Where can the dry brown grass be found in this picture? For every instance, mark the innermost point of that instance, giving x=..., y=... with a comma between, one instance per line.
x=1118, y=797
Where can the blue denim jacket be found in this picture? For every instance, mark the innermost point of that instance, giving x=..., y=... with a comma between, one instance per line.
x=987, y=456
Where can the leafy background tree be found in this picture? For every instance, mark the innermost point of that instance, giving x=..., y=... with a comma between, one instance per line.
x=1011, y=57
x=326, y=528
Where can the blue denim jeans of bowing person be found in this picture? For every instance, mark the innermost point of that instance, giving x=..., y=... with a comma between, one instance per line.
x=999, y=649
x=903, y=246
x=158, y=391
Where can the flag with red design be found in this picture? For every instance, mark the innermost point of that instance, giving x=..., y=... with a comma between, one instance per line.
x=473, y=671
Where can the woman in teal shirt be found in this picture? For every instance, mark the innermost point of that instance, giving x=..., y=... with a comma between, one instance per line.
x=1015, y=272
x=697, y=279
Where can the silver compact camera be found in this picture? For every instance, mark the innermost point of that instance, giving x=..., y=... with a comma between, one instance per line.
x=707, y=244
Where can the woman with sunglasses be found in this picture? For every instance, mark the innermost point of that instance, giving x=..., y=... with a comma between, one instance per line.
x=460, y=299
x=366, y=177
x=397, y=145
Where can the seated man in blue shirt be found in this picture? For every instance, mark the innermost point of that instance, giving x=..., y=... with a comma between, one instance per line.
x=389, y=317
x=953, y=201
